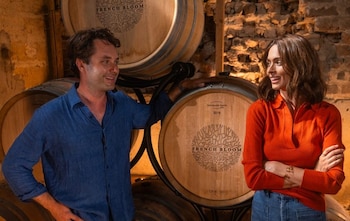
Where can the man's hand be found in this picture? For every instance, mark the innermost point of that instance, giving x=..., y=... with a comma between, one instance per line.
x=189, y=84
x=59, y=211
x=62, y=213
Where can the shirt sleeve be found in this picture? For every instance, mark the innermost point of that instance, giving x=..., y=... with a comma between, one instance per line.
x=256, y=176
x=144, y=115
x=327, y=182
x=159, y=108
x=21, y=157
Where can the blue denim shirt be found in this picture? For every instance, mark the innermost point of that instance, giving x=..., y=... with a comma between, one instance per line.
x=86, y=165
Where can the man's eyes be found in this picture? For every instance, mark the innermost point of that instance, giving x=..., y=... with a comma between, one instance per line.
x=110, y=62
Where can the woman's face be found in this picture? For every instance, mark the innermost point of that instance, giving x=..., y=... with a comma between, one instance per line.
x=278, y=77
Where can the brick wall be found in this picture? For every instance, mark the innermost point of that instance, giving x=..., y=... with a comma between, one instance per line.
x=250, y=25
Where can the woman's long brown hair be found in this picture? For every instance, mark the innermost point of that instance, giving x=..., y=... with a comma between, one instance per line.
x=301, y=62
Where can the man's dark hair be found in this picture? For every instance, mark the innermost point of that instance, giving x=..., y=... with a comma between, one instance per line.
x=81, y=45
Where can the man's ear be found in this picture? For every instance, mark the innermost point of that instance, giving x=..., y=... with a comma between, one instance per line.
x=80, y=64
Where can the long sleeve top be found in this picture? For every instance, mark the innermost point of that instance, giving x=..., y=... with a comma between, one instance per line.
x=86, y=165
x=274, y=134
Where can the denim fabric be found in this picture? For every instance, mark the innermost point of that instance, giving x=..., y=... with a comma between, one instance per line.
x=86, y=165
x=270, y=206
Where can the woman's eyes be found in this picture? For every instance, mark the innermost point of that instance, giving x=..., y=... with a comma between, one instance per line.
x=277, y=62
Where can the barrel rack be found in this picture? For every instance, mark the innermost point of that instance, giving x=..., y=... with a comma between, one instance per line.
x=179, y=72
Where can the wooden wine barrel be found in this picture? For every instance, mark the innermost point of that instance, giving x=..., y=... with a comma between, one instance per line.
x=12, y=209
x=335, y=211
x=201, y=143
x=153, y=34
x=155, y=201
x=16, y=112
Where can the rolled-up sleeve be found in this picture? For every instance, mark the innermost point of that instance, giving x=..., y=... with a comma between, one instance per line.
x=21, y=157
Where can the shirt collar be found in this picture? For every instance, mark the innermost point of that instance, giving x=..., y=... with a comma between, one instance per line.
x=279, y=102
x=74, y=98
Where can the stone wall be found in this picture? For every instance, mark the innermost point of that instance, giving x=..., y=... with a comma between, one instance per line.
x=23, y=45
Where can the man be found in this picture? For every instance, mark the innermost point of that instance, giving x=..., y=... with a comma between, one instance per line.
x=83, y=138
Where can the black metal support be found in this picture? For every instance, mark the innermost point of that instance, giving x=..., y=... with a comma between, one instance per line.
x=143, y=146
x=179, y=72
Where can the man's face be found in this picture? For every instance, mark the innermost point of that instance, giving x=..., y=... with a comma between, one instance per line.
x=102, y=71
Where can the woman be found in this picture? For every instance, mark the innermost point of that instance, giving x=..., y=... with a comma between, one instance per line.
x=293, y=151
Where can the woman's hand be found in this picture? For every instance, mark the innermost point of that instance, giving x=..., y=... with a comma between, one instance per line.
x=293, y=176
x=330, y=157
x=289, y=184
